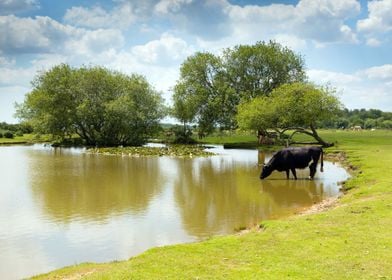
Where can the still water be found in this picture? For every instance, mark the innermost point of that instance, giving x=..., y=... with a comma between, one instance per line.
x=60, y=207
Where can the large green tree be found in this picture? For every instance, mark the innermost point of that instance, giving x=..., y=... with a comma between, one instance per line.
x=211, y=87
x=103, y=107
x=256, y=70
x=294, y=108
x=197, y=95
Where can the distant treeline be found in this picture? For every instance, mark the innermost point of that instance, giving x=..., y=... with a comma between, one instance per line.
x=10, y=130
x=367, y=119
x=24, y=128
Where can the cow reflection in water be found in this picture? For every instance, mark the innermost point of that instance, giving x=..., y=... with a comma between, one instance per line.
x=291, y=194
x=292, y=158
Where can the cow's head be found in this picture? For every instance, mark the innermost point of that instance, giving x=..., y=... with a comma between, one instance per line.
x=267, y=170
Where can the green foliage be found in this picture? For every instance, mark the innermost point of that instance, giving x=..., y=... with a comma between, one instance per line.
x=297, y=106
x=291, y=105
x=258, y=69
x=21, y=127
x=198, y=92
x=8, y=134
x=103, y=107
x=210, y=87
x=183, y=135
x=368, y=119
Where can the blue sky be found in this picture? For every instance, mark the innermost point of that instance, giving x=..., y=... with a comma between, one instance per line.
x=345, y=43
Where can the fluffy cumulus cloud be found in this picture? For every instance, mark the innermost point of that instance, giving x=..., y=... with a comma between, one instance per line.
x=167, y=50
x=168, y=31
x=121, y=16
x=170, y=6
x=31, y=35
x=321, y=21
x=383, y=72
x=378, y=22
x=17, y=6
x=206, y=18
x=361, y=89
x=45, y=35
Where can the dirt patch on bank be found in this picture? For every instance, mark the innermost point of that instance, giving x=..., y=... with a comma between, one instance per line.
x=324, y=205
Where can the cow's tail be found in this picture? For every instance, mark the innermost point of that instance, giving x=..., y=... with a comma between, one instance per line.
x=322, y=161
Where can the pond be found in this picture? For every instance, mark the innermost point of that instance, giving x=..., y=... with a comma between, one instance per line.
x=60, y=207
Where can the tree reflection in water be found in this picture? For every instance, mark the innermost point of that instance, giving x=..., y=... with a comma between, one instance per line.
x=91, y=187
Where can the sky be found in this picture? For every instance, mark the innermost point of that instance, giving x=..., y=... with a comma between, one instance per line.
x=345, y=43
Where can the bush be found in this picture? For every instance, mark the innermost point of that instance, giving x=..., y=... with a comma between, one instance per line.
x=1, y=135
x=8, y=134
x=19, y=133
x=183, y=136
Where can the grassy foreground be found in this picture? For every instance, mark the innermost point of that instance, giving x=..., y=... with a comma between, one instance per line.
x=351, y=240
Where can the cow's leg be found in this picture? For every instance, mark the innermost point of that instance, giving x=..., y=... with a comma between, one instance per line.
x=294, y=173
x=312, y=168
x=287, y=174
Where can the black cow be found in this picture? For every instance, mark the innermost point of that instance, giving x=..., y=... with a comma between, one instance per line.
x=292, y=158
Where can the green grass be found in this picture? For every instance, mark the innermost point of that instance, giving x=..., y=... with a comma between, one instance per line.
x=27, y=138
x=352, y=240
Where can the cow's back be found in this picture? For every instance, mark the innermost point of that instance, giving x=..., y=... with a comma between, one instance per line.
x=299, y=157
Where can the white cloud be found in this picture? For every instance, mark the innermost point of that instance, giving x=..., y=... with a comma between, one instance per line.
x=45, y=35
x=319, y=21
x=91, y=42
x=170, y=6
x=12, y=76
x=361, y=89
x=17, y=6
x=121, y=16
x=383, y=72
x=5, y=61
x=378, y=22
x=32, y=35
x=167, y=50
x=373, y=42
x=291, y=41
x=379, y=19
x=207, y=19
x=334, y=78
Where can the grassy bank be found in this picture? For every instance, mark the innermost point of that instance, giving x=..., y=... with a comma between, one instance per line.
x=25, y=139
x=351, y=240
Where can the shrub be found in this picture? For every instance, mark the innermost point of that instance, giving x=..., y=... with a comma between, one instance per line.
x=19, y=133
x=8, y=134
x=183, y=135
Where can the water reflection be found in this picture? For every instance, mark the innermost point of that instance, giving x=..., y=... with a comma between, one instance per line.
x=90, y=187
x=63, y=206
x=216, y=196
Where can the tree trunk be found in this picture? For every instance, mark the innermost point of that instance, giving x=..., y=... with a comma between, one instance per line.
x=318, y=138
x=313, y=133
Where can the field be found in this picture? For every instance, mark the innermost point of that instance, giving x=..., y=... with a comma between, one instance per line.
x=25, y=139
x=352, y=239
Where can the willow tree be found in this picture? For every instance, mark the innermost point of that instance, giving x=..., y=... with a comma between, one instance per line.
x=103, y=107
x=294, y=108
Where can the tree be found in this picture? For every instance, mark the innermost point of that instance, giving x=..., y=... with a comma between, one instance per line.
x=296, y=107
x=197, y=95
x=258, y=69
x=211, y=87
x=103, y=107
